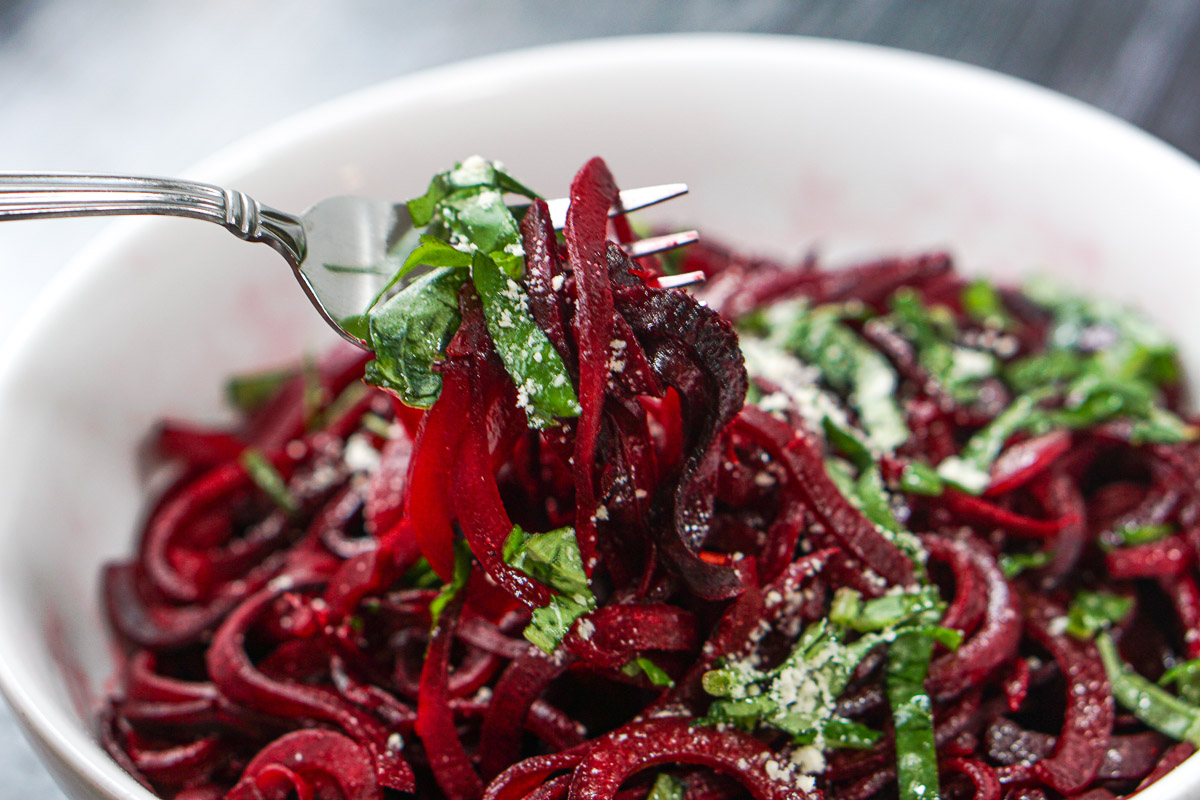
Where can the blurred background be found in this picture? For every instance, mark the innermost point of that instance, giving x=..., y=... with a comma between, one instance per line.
x=150, y=87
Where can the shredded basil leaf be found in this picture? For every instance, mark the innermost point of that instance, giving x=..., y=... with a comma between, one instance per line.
x=552, y=558
x=984, y=304
x=458, y=581
x=970, y=469
x=666, y=787
x=421, y=576
x=1136, y=535
x=409, y=334
x=1153, y=705
x=249, y=392
x=799, y=696
x=652, y=671
x=912, y=716
x=851, y=366
x=1092, y=612
x=917, y=477
x=956, y=368
x=1186, y=677
x=549, y=624
x=264, y=475
x=544, y=388
x=1013, y=564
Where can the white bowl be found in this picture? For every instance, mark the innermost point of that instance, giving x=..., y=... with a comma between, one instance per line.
x=787, y=144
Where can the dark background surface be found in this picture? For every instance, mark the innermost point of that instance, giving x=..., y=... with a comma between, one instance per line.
x=149, y=87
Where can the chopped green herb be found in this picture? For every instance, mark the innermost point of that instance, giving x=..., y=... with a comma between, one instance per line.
x=250, y=391
x=799, y=696
x=666, y=787
x=421, y=576
x=377, y=425
x=912, y=716
x=969, y=470
x=549, y=624
x=1134, y=535
x=917, y=477
x=1093, y=612
x=1152, y=704
x=983, y=304
x=458, y=581
x=652, y=671
x=1122, y=343
x=552, y=558
x=1043, y=369
x=346, y=400
x=409, y=334
x=1160, y=426
x=264, y=475
x=1013, y=564
x=1186, y=677
x=847, y=441
x=543, y=387
x=956, y=368
x=923, y=604
x=849, y=365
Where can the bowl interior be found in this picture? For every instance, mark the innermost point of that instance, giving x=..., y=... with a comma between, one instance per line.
x=788, y=145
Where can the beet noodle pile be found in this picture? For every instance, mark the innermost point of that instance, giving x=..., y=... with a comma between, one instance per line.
x=875, y=532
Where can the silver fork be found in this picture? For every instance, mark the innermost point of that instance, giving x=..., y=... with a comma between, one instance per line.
x=343, y=250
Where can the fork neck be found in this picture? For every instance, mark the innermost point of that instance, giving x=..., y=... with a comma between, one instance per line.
x=51, y=195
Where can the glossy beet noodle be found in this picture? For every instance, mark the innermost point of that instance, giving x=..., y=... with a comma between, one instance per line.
x=877, y=532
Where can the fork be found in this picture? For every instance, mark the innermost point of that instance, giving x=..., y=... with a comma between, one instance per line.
x=343, y=250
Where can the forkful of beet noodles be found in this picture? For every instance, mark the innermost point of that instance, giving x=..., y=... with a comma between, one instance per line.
x=571, y=532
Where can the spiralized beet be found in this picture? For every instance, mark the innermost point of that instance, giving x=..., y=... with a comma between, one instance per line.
x=345, y=597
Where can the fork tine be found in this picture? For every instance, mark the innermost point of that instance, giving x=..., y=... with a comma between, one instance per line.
x=657, y=244
x=679, y=281
x=630, y=200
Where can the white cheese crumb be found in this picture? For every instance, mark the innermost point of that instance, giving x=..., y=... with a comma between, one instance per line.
x=360, y=455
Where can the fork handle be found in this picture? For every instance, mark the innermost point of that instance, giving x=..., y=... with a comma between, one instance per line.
x=27, y=195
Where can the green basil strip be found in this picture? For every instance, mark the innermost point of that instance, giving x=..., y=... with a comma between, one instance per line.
x=409, y=334
x=421, y=576
x=1013, y=564
x=933, y=331
x=248, y=392
x=652, y=671
x=841, y=733
x=431, y=252
x=458, y=581
x=549, y=624
x=1044, y=369
x=1092, y=612
x=888, y=611
x=851, y=366
x=1186, y=677
x=917, y=477
x=1160, y=426
x=1132, y=536
x=1151, y=704
x=984, y=304
x=264, y=475
x=552, y=558
x=912, y=715
x=970, y=469
x=543, y=387
x=666, y=787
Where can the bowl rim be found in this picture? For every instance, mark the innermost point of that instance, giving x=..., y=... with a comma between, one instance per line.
x=55, y=738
